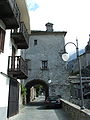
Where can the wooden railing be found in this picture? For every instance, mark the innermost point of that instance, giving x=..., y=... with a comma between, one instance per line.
x=21, y=36
x=24, y=31
x=17, y=64
x=16, y=11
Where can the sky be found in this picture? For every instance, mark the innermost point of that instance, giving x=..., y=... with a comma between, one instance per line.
x=72, y=16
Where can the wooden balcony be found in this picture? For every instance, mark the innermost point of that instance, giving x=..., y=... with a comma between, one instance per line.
x=17, y=67
x=9, y=13
x=21, y=37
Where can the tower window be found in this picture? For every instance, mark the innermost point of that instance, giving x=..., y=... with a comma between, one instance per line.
x=35, y=42
x=44, y=64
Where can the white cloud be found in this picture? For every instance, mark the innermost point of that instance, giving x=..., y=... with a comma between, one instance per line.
x=69, y=15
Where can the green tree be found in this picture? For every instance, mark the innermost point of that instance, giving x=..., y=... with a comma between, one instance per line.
x=38, y=87
x=23, y=93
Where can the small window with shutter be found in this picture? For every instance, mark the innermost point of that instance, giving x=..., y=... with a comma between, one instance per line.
x=44, y=64
x=2, y=40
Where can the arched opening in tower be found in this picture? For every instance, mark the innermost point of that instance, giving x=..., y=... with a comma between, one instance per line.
x=36, y=88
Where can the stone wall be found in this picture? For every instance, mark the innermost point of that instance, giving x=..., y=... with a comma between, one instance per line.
x=84, y=61
x=75, y=112
x=48, y=47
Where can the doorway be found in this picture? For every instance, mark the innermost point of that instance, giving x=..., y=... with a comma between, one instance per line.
x=13, y=100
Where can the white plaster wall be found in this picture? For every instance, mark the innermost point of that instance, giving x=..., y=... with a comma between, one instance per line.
x=4, y=80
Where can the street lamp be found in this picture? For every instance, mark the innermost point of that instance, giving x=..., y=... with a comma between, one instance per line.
x=65, y=58
x=49, y=81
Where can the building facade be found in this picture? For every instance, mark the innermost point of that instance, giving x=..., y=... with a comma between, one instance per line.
x=14, y=36
x=74, y=79
x=45, y=64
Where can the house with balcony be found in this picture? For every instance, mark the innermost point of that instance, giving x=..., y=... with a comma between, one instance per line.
x=14, y=36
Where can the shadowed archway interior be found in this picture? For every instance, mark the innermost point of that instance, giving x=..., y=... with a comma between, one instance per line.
x=33, y=83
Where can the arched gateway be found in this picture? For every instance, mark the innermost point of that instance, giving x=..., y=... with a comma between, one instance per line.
x=33, y=83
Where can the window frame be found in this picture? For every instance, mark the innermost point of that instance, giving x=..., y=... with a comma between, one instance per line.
x=2, y=39
x=44, y=64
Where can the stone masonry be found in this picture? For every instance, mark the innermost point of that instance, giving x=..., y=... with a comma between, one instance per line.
x=47, y=46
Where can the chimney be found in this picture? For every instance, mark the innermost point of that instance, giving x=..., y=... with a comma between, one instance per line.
x=49, y=27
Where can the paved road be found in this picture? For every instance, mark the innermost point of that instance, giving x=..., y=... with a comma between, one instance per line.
x=36, y=111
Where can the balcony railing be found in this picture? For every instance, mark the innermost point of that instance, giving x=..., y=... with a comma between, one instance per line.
x=9, y=13
x=17, y=67
x=21, y=37
x=24, y=31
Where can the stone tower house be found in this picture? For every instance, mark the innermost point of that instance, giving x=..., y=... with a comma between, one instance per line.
x=45, y=62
